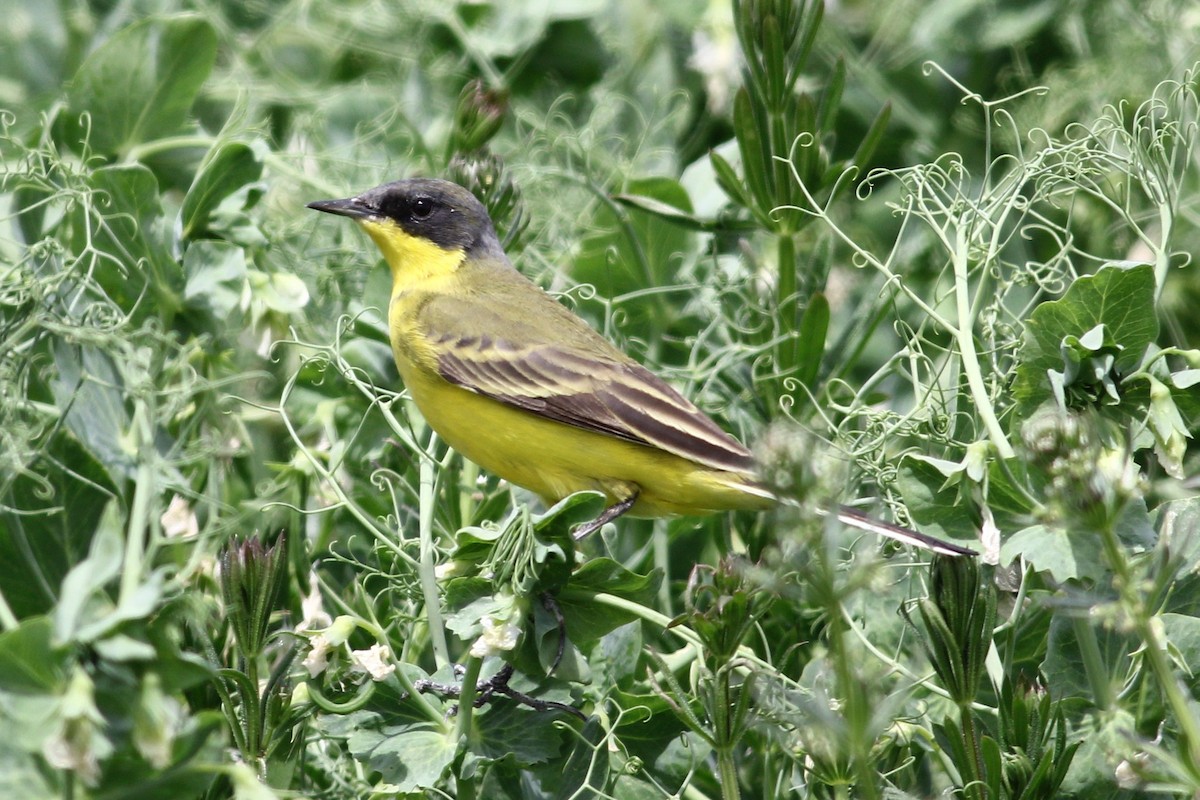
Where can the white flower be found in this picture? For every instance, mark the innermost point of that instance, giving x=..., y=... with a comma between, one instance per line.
x=179, y=520
x=990, y=538
x=1129, y=773
x=497, y=637
x=375, y=661
x=451, y=569
x=313, y=607
x=322, y=643
x=975, y=461
x=78, y=744
x=318, y=655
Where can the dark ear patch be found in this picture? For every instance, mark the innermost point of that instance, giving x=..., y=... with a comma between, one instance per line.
x=440, y=212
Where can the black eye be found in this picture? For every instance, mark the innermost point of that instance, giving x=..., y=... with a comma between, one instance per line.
x=420, y=208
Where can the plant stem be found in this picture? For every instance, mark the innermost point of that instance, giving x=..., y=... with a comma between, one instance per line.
x=786, y=353
x=429, y=589
x=856, y=711
x=685, y=633
x=975, y=785
x=466, y=789
x=135, y=539
x=167, y=144
x=727, y=771
x=468, y=474
x=662, y=560
x=1155, y=648
x=250, y=711
x=964, y=334
x=466, y=699
x=1093, y=663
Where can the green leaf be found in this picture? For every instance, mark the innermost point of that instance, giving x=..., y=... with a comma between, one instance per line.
x=1178, y=526
x=671, y=214
x=1063, y=554
x=992, y=765
x=140, y=85
x=935, y=509
x=757, y=162
x=610, y=577
x=1091, y=772
x=634, y=249
x=510, y=730
x=574, y=509
x=126, y=221
x=124, y=648
x=554, y=644
x=226, y=174
x=805, y=34
x=617, y=655
x=33, y=51
x=814, y=327
x=1067, y=552
x=872, y=138
x=22, y=773
x=216, y=282
x=1183, y=636
x=805, y=155
x=413, y=757
x=1119, y=297
x=775, y=74
x=586, y=772
x=83, y=601
x=29, y=663
x=729, y=181
x=47, y=523
x=90, y=387
x=466, y=621
x=586, y=619
x=831, y=98
x=461, y=592
x=1011, y=26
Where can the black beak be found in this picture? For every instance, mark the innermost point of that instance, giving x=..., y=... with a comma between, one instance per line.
x=350, y=207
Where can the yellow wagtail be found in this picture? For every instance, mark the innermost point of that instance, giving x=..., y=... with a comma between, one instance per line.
x=517, y=383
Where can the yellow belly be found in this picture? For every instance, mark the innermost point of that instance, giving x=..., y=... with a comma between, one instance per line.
x=554, y=460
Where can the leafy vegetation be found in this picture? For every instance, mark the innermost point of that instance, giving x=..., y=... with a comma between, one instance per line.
x=929, y=257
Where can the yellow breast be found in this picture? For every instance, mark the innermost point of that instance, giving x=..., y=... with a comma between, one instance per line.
x=550, y=458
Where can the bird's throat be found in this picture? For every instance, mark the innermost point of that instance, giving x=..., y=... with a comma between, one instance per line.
x=415, y=263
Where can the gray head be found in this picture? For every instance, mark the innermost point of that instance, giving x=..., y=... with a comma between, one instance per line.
x=439, y=211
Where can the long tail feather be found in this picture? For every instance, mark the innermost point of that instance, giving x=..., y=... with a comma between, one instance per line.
x=857, y=519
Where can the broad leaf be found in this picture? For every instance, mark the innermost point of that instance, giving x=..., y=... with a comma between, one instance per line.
x=47, y=523
x=1121, y=298
x=234, y=168
x=140, y=85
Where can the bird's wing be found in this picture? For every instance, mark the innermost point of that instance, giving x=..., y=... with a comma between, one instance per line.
x=594, y=387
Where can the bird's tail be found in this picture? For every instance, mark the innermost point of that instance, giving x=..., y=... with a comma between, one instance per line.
x=857, y=519
x=757, y=495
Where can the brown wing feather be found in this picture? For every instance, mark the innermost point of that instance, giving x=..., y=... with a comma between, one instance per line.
x=615, y=398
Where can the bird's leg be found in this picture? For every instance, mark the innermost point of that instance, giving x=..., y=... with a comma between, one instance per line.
x=608, y=515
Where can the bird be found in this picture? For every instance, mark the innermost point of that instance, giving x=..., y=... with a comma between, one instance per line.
x=516, y=382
